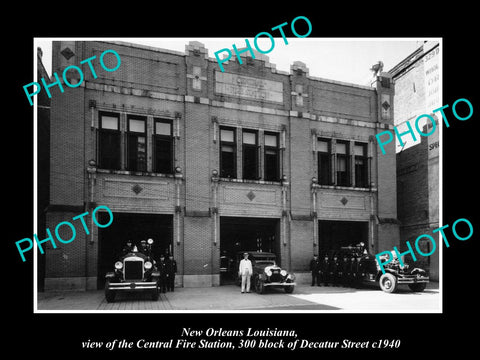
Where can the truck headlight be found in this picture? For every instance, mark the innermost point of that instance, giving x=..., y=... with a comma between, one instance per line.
x=291, y=277
x=148, y=265
x=268, y=272
x=118, y=265
x=283, y=273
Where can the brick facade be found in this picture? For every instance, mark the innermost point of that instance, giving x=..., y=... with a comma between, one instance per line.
x=418, y=204
x=188, y=90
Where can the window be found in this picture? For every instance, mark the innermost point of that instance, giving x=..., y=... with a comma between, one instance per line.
x=343, y=171
x=361, y=165
x=324, y=164
x=163, y=147
x=272, y=159
x=250, y=155
x=109, y=141
x=136, y=144
x=228, y=153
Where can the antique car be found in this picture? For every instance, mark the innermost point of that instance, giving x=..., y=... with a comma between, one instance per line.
x=369, y=272
x=134, y=271
x=266, y=273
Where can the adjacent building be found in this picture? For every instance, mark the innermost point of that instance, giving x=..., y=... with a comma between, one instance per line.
x=209, y=163
x=418, y=91
x=42, y=160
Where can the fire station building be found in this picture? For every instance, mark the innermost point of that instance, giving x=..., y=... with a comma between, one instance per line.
x=209, y=163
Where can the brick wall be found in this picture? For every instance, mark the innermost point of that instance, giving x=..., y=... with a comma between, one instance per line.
x=417, y=184
x=302, y=166
x=302, y=244
x=67, y=162
x=198, y=246
x=413, y=192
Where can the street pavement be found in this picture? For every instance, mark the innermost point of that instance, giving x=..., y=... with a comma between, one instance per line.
x=229, y=299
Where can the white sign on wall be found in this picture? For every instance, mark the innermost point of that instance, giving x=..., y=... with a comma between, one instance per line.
x=248, y=87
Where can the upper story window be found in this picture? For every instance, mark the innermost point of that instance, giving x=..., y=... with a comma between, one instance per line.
x=124, y=143
x=324, y=162
x=109, y=135
x=136, y=144
x=228, y=153
x=271, y=157
x=163, y=147
x=250, y=154
x=343, y=163
x=361, y=165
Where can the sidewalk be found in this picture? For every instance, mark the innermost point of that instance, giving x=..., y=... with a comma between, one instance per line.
x=229, y=298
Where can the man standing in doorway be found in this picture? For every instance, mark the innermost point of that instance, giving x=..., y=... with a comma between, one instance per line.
x=314, y=268
x=171, y=269
x=162, y=268
x=245, y=271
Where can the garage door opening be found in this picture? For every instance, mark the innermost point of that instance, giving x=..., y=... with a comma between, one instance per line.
x=135, y=227
x=239, y=234
x=332, y=235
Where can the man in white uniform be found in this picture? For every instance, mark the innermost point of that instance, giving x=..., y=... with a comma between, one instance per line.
x=245, y=270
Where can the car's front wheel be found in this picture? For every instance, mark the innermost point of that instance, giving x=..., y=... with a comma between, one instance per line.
x=109, y=294
x=155, y=292
x=388, y=283
x=289, y=289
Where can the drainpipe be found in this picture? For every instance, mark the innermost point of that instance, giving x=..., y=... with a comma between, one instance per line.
x=92, y=176
x=373, y=197
x=285, y=185
x=215, y=179
x=214, y=212
x=178, y=209
x=314, y=213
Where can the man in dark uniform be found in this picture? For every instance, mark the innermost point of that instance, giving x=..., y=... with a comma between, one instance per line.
x=351, y=271
x=348, y=271
x=339, y=269
x=127, y=248
x=314, y=268
x=163, y=274
x=360, y=270
x=144, y=247
x=171, y=269
x=334, y=270
x=355, y=271
x=324, y=269
x=344, y=269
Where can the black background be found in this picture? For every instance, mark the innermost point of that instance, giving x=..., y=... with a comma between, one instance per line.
x=59, y=335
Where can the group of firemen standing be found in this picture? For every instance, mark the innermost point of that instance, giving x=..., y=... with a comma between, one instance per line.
x=167, y=267
x=337, y=269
